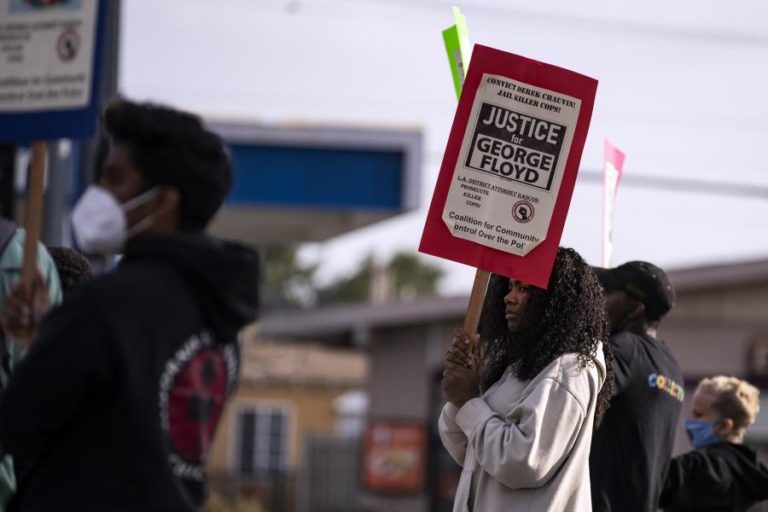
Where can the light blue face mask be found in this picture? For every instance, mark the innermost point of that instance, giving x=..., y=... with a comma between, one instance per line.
x=702, y=433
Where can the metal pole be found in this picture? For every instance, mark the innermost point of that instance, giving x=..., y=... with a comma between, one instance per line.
x=7, y=181
x=107, y=92
x=58, y=176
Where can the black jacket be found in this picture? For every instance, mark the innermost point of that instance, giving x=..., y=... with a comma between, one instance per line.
x=116, y=404
x=725, y=477
x=632, y=447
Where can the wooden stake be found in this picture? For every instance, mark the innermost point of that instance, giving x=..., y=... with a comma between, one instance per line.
x=476, y=300
x=33, y=215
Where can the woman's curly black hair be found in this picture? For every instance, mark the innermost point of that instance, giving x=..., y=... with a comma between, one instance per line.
x=567, y=318
x=74, y=269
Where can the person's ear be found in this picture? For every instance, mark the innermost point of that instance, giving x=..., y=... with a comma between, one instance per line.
x=167, y=205
x=724, y=428
x=636, y=311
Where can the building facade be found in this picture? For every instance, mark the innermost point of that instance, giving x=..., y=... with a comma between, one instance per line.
x=289, y=393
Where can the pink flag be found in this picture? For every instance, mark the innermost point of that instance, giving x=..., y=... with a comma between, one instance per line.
x=614, y=161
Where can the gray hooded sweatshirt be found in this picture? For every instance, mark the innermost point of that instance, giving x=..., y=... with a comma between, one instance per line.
x=524, y=445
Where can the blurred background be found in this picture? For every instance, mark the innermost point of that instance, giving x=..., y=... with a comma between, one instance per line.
x=337, y=113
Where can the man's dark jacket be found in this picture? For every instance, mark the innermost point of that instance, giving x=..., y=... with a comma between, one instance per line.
x=116, y=404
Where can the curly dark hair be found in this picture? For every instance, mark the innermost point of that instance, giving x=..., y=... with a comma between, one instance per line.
x=74, y=269
x=174, y=148
x=567, y=318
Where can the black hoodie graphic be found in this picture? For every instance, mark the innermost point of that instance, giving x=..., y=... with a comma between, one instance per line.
x=116, y=404
x=725, y=477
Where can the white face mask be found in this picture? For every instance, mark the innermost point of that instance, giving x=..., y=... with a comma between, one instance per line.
x=100, y=224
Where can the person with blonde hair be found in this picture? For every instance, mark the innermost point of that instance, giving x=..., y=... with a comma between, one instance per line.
x=721, y=473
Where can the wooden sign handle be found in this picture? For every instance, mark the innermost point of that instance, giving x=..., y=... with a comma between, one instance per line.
x=33, y=215
x=476, y=300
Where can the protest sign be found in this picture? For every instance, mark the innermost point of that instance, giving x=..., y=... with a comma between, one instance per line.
x=614, y=161
x=509, y=169
x=48, y=68
x=49, y=51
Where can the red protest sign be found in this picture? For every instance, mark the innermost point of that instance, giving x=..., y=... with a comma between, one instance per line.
x=510, y=166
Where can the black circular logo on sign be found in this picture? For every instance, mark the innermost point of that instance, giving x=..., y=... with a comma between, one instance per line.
x=523, y=211
x=68, y=44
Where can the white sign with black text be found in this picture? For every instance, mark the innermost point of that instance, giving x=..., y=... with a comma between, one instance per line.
x=46, y=54
x=511, y=164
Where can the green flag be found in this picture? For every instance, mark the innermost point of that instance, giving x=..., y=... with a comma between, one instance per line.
x=457, y=46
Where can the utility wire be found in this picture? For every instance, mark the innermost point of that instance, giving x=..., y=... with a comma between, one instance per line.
x=680, y=185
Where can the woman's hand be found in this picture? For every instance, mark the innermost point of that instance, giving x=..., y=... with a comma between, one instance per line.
x=462, y=350
x=461, y=376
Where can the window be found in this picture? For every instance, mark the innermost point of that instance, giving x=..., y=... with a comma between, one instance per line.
x=351, y=408
x=262, y=440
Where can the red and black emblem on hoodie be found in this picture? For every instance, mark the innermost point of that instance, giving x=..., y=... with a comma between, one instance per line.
x=194, y=386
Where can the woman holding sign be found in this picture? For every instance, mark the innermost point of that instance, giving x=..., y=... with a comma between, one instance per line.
x=520, y=418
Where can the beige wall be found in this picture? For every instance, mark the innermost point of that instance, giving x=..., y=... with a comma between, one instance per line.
x=745, y=303
x=310, y=411
x=709, y=331
x=706, y=350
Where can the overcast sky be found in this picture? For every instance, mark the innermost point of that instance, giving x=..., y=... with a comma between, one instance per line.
x=681, y=90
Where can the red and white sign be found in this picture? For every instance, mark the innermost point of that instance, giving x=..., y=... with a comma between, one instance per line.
x=510, y=166
x=394, y=457
x=614, y=161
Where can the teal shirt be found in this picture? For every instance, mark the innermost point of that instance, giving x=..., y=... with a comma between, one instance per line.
x=10, y=272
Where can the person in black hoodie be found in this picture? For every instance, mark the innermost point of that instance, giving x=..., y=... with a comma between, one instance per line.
x=721, y=474
x=116, y=404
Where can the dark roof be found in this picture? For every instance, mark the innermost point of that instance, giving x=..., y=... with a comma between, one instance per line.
x=715, y=276
x=357, y=320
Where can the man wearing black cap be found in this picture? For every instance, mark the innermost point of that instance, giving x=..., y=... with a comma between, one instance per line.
x=632, y=448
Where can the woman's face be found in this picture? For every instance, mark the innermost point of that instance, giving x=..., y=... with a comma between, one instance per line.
x=516, y=304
